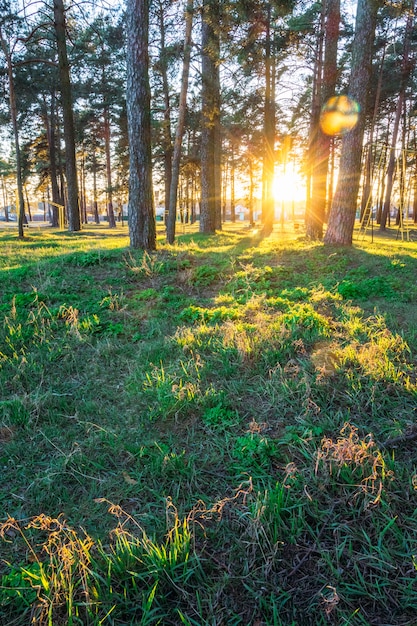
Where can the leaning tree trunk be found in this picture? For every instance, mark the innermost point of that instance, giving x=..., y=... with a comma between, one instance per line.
x=182, y=109
x=142, y=227
x=74, y=222
x=342, y=214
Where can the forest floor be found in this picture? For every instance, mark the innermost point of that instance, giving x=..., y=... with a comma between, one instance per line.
x=219, y=433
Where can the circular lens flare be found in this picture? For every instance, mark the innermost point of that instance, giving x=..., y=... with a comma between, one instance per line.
x=339, y=115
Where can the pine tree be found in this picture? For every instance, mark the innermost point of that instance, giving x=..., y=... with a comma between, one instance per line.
x=142, y=228
x=210, y=208
x=342, y=214
x=73, y=209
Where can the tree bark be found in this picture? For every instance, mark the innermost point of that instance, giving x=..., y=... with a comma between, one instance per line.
x=13, y=117
x=369, y=161
x=269, y=133
x=342, y=214
x=74, y=222
x=176, y=161
x=50, y=122
x=166, y=128
x=406, y=68
x=94, y=165
x=142, y=227
x=232, y=184
x=217, y=140
x=320, y=142
x=106, y=125
x=210, y=114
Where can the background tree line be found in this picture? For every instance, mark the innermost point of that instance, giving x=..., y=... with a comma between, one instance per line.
x=201, y=98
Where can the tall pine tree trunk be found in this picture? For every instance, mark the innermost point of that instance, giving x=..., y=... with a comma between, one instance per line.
x=142, y=227
x=217, y=142
x=13, y=116
x=406, y=68
x=414, y=179
x=311, y=217
x=210, y=114
x=50, y=123
x=176, y=161
x=342, y=214
x=369, y=161
x=166, y=127
x=95, y=168
x=74, y=222
x=232, y=184
x=320, y=142
x=268, y=133
x=107, y=138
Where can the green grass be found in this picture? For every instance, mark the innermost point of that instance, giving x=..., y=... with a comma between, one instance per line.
x=221, y=432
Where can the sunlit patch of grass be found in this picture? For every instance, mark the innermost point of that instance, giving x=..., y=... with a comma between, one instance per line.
x=197, y=313
x=385, y=358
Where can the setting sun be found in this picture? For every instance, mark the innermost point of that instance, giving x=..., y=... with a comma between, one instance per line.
x=289, y=186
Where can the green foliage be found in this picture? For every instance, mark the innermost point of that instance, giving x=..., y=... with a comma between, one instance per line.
x=216, y=314
x=366, y=288
x=17, y=592
x=204, y=275
x=14, y=412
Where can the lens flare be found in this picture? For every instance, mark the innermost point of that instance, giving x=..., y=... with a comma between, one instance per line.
x=339, y=115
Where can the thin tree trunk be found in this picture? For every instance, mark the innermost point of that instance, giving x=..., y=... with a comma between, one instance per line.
x=176, y=161
x=209, y=113
x=6, y=209
x=406, y=68
x=312, y=218
x=232, y=185
x=166, y=129
x=84, y=190
x=269, y=134
x=110, y=210
x=217, y=141
x=415, y=195
x=251, y=187
x=95, y=203
x=321, y=141
x=225, y=182
x=50, y=122
x=27, y=202
x=13, y=117
x=369, y=165
x=414, y=179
